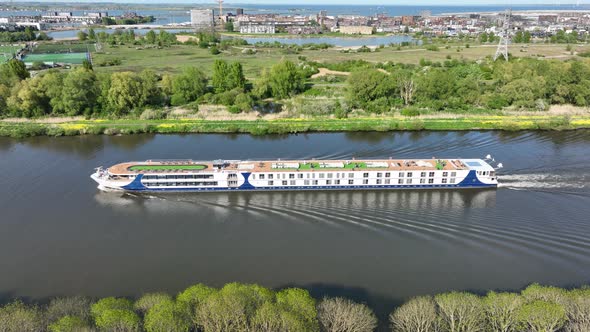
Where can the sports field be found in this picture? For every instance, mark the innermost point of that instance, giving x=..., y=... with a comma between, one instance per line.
x=167, y=167
x=73, y=58
x=63, y=48
x=7, y=51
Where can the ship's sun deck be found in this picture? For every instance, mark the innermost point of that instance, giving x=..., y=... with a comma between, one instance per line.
x=189, y=166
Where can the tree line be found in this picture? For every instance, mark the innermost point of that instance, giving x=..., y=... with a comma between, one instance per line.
x=83, y=92
x=453, y=85
x=249, y=307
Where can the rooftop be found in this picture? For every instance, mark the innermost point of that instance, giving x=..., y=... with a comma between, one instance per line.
x=186, y=166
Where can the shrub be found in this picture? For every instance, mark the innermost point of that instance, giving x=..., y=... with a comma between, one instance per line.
x=410, y=111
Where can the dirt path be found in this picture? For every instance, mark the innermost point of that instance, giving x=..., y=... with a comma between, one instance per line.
x=326, y=72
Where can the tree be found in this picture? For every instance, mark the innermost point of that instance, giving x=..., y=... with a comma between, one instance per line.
x=406, y=86
x=91, y=34
x=544, y=293
x=29, y=34
x=87, y=65
x=542, y=316
x=151, y=91
x=149, y=300
x=16, y=317
x=366, y=86
x=28, y=100
x=416, y=315
x=126, y=92
x=236, y=77
x=229, y=26
x=80, y=92
x=285, y=80
x=82, y=36
x=517, y=37
x=301, y=305
x=233, y=307
x=501, y=311
x=17, y=69
x=188, y=86
x=483, y=38
x=220, y=76
x=75, y=306
x=118, y=320
x=578, y=310
x=460, y=311
x=192, y=298
x=166, y=316
x=70, y=324
x=150, y=37
x=526, y=37
x=343, y=315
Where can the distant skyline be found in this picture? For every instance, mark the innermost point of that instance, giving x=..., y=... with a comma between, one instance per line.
x=348, y=2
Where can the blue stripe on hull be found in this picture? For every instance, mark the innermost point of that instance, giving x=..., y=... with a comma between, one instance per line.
x=313, y=188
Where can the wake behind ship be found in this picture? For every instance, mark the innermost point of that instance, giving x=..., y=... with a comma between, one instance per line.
x=236, y=175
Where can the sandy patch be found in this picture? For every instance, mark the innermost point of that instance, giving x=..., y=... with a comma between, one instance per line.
x=326, y=72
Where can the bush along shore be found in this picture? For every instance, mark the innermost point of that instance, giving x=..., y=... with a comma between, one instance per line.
x=247, y=307
x=20, y=129
x=298, y=95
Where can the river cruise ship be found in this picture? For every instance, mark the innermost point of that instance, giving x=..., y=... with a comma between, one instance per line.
x=287, y=175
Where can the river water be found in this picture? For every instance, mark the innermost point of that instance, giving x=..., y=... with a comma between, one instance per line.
x=60, y=236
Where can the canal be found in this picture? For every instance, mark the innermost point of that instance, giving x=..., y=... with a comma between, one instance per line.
x=60, y=236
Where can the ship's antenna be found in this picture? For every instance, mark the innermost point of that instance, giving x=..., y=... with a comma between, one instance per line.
x=502, y=49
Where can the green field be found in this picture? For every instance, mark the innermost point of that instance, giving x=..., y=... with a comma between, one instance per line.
x=63, y=48
x=172, y=59
x=167, y=167
x=7, y=51
x=72, y=58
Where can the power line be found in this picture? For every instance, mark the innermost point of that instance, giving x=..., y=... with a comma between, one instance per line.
x=502, y=49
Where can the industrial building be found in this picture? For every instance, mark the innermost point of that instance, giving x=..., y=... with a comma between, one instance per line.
x=202, y=19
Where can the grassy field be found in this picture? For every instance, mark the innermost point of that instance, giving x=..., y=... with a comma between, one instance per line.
x=63, y=48
x=73, y=58
x=172, y=59
x=167, y=167
x=298, y=125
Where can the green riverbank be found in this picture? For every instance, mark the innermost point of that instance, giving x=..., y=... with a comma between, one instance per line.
x=18, y=129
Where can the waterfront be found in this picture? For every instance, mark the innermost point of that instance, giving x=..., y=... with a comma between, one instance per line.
x=60, y=236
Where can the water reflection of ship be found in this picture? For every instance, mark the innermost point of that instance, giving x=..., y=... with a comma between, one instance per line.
x=225, y=202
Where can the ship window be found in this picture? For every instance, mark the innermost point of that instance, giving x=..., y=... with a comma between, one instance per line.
x=291, y=176
x=409, y=181
x=365, y=175
x=387, y=181
x=338, y=175
x=328, y=181
x=387, y=174
x=261, y=176
x=422, y=180
x=444, y=180
x=445, y=174
x=379, y=181
x=315, y=182
x=313, y=175
x=271, y=183
x=253, y=176
x=379, y=175
x=431, y=174
x=292, y=182
x=300, y=176
x=453, y=173
x=350, y=181
x=409, y=174
x=365, y=181
x=308, y=175
x=400, y=181
x=306, y=182
x=350, y=175
x=337, y=182
x=284, y=176
x=284, y=182
x=423, y=174
x=452, y=180
x=322, y=175
x=270, y=176
x=430, y=180
x=330, y=175
x=401, y=174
